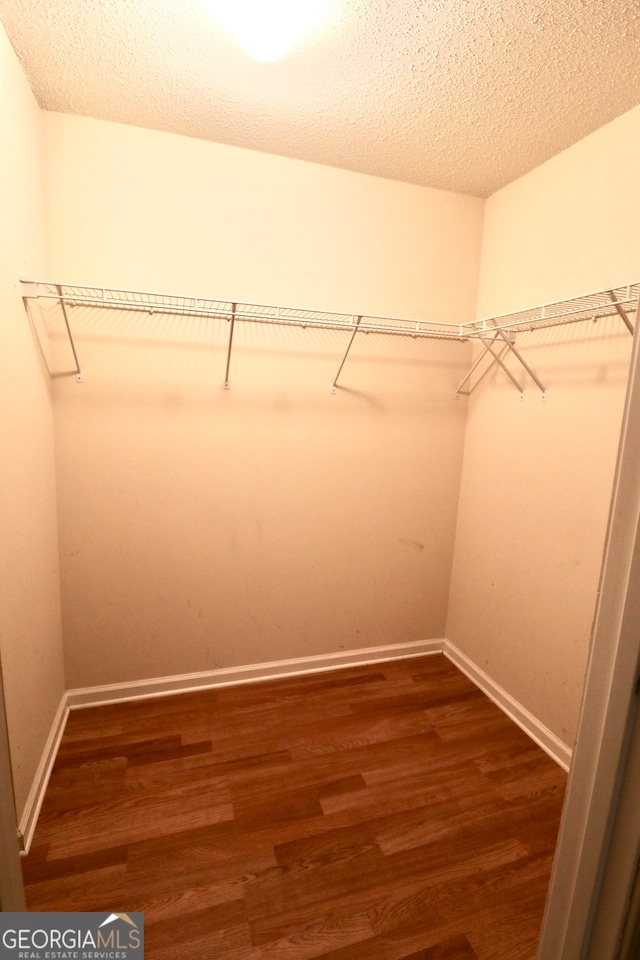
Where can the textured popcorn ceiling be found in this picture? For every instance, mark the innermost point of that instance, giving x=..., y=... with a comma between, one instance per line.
x=463, y=95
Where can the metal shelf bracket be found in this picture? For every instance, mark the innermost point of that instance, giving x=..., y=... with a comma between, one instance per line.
x=357, y=321
x=474, y=366
x=29, y=291
x=70, y=335
x=232, y=320
x=498, y=359
x=621, y=313
x=509, y=343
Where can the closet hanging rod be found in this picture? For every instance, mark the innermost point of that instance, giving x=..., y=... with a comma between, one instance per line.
x=621, y=301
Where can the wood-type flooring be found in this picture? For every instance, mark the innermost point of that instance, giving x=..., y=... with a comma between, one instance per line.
x=381, y=812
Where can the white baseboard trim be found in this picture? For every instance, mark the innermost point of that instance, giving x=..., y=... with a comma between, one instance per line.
x=31, y=812
x=551, y=744
x=279, y=669
x=276, y=670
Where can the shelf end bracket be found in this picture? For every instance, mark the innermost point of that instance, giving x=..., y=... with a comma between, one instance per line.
x=69, y=334
x=29, y=290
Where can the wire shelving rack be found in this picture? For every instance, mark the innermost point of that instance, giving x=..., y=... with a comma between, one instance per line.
x=497, y=334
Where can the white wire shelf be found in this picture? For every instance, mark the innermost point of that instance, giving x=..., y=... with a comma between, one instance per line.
x=167, y=304
x=622, y=301
x=495, y=333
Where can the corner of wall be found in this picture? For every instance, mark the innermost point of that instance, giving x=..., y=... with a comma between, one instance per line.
x=30, y=617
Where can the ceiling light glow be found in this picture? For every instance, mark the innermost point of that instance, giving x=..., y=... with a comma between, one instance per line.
x=268, y=29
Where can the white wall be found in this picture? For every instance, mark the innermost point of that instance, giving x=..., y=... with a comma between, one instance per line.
x=153, y=211
x=30, y=629
x=537, y=476
x=203, y=528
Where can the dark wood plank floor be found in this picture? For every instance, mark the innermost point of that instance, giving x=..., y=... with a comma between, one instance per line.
x=381, y=812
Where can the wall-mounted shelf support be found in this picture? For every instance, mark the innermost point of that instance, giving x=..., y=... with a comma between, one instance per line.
x=474, y=366
x=30, y=291
x=357, y=321
x=498, y=359
x=509, y=340
x=232, y=320
x=489, y=347
x=622, y=314
x=70, y=335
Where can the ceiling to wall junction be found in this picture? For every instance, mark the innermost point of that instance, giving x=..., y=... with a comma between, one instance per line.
x=455, y=94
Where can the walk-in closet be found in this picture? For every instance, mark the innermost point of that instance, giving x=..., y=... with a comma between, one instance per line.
x=317, y=484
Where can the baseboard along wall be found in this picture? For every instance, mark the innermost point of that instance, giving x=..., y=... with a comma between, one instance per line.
x=275, y=670
x=165, y=686
x=551, y=744
x=31, y=812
